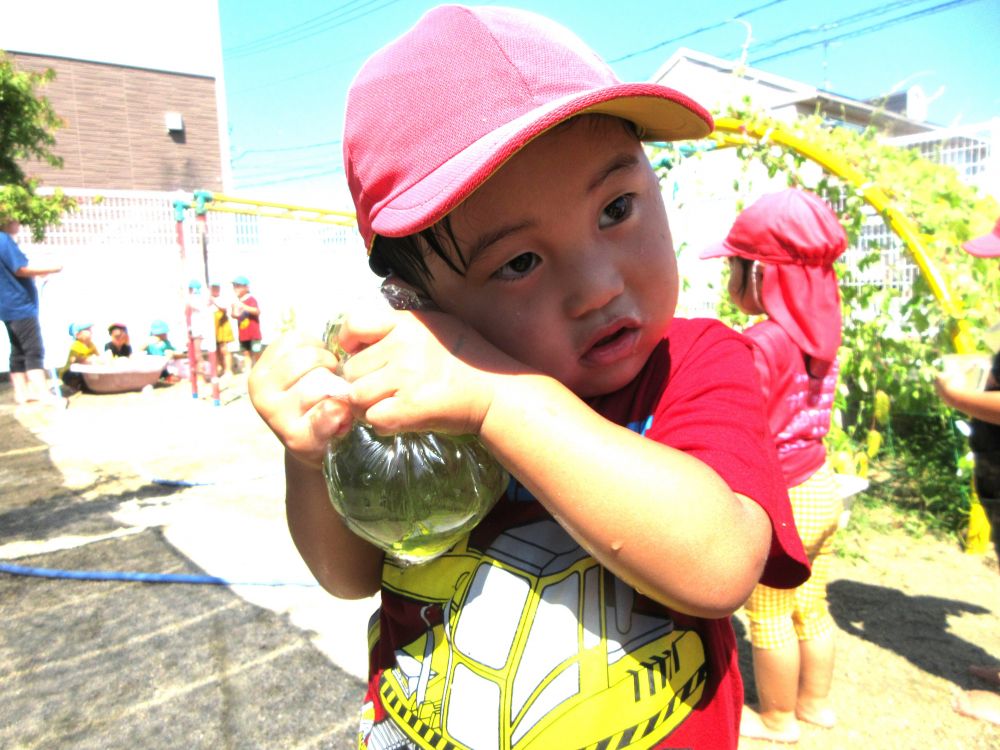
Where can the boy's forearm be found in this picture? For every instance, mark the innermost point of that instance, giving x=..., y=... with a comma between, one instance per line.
x=343, y=563
x=658, y=518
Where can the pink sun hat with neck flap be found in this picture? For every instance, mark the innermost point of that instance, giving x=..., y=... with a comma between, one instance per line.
x=797, y=237
x=987, y=246
x=431, y=116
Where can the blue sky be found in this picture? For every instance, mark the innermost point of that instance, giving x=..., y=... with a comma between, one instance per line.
x=288, y=65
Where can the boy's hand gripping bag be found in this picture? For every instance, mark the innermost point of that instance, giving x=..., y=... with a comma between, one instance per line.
x=413, y=495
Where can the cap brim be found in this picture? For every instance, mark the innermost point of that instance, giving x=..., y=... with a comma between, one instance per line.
x=719, y=250
x=987, y=246
x=660, y=114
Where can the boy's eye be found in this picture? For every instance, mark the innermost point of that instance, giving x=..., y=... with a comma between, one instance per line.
x=517, y=267
x=616, y=211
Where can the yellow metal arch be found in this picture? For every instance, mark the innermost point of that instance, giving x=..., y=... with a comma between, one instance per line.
x=228, y=204
x=733, y=132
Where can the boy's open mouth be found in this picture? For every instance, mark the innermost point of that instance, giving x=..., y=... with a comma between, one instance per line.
x=609, y=338
x=612, y=346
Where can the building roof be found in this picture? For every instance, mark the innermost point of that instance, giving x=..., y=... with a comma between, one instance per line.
x=719, y=84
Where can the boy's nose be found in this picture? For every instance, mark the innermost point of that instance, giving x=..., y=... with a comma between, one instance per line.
x=593, y=281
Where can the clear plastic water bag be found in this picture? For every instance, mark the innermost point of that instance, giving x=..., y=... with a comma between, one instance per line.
x=413, y=494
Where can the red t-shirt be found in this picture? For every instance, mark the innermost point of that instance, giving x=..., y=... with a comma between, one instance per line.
x=517, y=637
x=247, y=324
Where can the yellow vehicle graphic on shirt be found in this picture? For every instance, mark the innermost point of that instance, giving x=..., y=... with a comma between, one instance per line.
x=537, y=647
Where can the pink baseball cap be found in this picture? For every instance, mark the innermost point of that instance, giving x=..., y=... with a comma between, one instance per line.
x=987, y=246
x=788, y=227
x=431, y=116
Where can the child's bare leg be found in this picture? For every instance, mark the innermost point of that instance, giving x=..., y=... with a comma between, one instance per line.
x=199, y=358
x=776, y=672
x=816, y=658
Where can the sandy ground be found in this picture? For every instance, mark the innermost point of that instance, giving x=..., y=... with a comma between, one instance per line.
x=912, y=613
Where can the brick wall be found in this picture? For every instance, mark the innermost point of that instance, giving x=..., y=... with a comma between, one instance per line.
x=115, y=136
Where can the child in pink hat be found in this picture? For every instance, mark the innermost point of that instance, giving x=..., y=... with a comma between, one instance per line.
x=984, y=408
x=781, y=251
x=497, y=167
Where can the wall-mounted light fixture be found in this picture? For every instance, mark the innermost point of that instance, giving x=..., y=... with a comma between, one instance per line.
x=174, y=122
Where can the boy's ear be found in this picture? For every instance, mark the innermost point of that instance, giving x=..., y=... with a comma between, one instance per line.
x=404, y=296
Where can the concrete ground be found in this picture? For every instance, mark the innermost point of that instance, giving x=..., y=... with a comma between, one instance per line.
x=162, y=483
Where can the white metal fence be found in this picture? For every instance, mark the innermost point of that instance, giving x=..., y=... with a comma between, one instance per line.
x=970, y=150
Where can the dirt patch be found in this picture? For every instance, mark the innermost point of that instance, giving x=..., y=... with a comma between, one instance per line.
x=912, y=614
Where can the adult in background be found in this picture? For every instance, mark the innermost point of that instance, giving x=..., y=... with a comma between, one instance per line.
x=984, y=408
x=19, y=312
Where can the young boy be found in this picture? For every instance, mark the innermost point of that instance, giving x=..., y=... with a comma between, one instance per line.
x=246, y=310
x=200, y=327
x=159, y=345
x=590, y=608
x=223, y=330
x=82, y=351
x=119, y=346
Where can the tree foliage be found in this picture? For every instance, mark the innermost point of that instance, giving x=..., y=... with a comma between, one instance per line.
x=887, y=412
x=27, y=126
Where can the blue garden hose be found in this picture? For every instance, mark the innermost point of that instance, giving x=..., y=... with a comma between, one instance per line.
x=111, y=575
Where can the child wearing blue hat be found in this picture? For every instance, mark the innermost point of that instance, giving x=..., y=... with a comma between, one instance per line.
x=246, y=310
x=81, y=351
x=160, y=345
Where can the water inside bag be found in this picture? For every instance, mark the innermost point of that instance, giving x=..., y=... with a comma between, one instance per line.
x=413, y=495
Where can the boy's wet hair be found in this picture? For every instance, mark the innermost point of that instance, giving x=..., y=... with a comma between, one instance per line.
x=405, y=257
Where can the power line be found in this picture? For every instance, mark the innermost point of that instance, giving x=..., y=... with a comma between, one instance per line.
x=689, y=34
x=290, y=178
x=869, y=29
x=830, y=25
x=301, y=26
x=266, y=171
x=298, y=162
x=303, y=74
x=310, y=31
x=284, y=149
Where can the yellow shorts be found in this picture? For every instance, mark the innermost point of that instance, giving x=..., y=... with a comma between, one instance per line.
x=780, y=616
x=223, y=330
